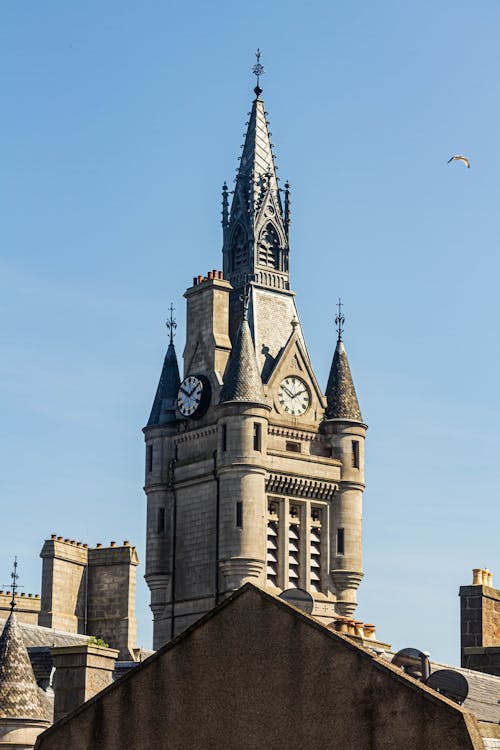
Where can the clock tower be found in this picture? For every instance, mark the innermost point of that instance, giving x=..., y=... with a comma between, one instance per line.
x=253, y=473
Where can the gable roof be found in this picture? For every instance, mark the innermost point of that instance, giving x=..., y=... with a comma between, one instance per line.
x=258, y=672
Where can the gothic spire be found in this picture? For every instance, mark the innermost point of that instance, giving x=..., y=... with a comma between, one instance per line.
x=342, y=402
x=19, y=697
x=255, y=238
x=163, y=410
x=242, y=381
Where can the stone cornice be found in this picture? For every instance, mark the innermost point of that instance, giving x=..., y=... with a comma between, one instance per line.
x=312, y=489
x=195, y=434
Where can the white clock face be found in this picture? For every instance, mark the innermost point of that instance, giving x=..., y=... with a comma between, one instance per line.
x=294, y=396
x=189, y=395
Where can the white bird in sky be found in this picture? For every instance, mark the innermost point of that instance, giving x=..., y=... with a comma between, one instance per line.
x=458, y=157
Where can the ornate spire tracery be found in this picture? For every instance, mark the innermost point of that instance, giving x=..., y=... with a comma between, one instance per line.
x=256, y=228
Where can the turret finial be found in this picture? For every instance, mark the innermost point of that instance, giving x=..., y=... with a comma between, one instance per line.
x=245, y=298
x=171, y=323
x=14, y=585
x=258, y=70
x=340, y=320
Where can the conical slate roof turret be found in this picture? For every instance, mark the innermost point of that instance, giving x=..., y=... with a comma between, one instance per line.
x=19, y=698
x=163, y=410
x=242, y=381
x=342, y=402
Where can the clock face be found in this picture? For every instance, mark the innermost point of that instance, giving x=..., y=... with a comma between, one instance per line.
x=294, y=396
x=192, y=395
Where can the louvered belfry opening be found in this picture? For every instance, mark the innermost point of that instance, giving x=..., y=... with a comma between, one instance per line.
x=294, y=540
x=315, y=549
x=272, y=552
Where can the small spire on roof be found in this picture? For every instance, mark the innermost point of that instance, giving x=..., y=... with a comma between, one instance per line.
x=342, y=401
x=258, y=70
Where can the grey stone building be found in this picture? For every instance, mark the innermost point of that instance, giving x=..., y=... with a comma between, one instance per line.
x=254, y=473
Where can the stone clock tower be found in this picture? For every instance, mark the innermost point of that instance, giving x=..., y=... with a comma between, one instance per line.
x=253, y=473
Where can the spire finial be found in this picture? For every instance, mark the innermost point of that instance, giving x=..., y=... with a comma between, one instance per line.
x=171, y=324
x=13, y=586
x=340, y=320
x=245, y=298
x=258, y=70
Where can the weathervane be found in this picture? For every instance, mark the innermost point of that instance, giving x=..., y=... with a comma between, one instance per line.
x=258, y=70
x=171, y=324
x=340, y=320
x=13, y=585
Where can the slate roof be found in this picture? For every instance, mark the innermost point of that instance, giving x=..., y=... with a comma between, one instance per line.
x=242, y=380
x=35, y=635
x=19, y=693
x=163, y=410
x=340, y=392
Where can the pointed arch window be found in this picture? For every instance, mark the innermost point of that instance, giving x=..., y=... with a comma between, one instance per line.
x=269, y=247
x=239, y=248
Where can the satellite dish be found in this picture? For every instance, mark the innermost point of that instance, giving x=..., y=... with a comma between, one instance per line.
x=413, y=662
x=298, y=598
x=449, y=683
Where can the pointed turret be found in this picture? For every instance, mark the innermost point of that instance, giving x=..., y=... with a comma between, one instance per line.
x=163, y=410
x=242, y=381
x=340, y=392
x=255, y=233
x=19, y=698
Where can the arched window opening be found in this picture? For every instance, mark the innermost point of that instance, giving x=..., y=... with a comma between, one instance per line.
x=269, y=247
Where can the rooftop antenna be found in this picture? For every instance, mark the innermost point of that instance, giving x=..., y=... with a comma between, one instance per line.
x=171, y=323
x=450, y=683
x=13, y=585
x=340, y=320
x=258, y=70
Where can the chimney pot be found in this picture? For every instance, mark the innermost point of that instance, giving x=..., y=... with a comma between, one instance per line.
x=98, y=545
x=126, y=543
x=195, y=280
x=112, y=544
x=30, y=596
x=86, y=546
x=477, y=577
x=22, y=593
x=200, y=279
x=59, y=538
x=210, y=275
x=53, y=536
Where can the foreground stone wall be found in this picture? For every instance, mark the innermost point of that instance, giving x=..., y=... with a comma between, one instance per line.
x=259, y=674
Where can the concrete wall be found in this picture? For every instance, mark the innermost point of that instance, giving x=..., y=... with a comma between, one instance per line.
x=258, y=674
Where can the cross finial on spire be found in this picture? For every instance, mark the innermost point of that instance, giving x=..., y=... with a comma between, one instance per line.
x=258, y=70
x=340, y=320
x=171, y=323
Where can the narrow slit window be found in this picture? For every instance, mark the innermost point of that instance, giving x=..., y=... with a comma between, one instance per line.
x=224, y=437
x=239, y=515
x=340, y=542
x=160, y=522
x=150, y=458
x=257, y=432
x=355, y=454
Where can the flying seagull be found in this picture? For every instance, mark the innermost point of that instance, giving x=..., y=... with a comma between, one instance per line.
x=458, y=157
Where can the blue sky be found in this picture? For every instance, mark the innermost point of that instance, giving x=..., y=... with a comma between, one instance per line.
x=119, y=123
